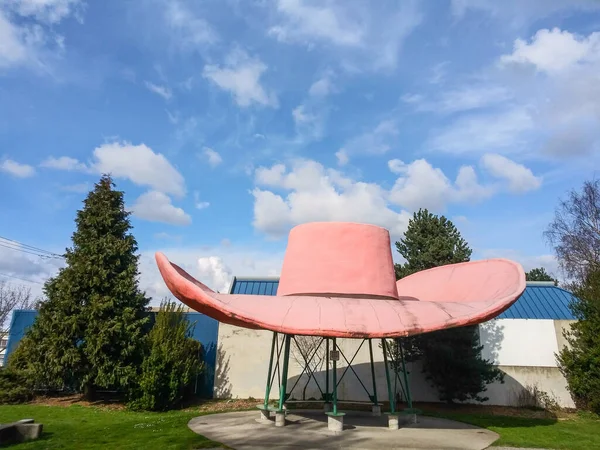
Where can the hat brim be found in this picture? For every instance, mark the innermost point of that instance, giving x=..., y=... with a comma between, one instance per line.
x=470, y=293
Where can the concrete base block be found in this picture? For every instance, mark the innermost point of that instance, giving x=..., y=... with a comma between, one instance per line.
x=376, y=410
x=408, y=419
x=29, y=431
x=393, y=422
x=280, y=418
x=335, y=423
x=265, y=415
x=26, y=421
x=327, y=407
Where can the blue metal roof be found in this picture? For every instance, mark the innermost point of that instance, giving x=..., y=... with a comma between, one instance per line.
x=539, y=301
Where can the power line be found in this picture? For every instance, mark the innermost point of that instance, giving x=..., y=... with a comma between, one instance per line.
x=29, y=249
x=19, y=278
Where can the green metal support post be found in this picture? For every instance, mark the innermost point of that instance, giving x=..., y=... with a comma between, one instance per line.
x=373, y=373
x=286, y=358
x=387, y=377
x=408, y=396
x=334, y=380
x=326, y=370
x=268, y=389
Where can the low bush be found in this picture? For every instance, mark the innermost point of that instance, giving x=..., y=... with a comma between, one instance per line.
x=172, y=363
x=13, y=387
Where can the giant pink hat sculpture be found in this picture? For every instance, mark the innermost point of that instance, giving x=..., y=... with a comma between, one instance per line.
x=338, y=280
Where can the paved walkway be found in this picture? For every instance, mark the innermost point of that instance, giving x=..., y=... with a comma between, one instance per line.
x=308, y=430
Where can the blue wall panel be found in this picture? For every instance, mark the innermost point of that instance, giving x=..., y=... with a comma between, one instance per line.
x=205, y=330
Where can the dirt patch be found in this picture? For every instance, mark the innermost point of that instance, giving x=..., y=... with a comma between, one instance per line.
x=70, y=400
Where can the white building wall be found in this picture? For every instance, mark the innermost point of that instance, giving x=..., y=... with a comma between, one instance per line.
x=523, y=349
x=519, y=342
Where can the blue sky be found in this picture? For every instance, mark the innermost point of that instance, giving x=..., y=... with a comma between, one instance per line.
x=228, y=122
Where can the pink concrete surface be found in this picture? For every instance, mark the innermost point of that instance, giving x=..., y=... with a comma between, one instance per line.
x=338, y=280
x=338, y=258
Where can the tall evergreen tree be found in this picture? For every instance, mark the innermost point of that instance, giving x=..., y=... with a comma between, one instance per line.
x=89, y=333
x=451, y=358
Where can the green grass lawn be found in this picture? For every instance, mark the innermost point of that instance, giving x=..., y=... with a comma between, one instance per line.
x=80, y=427
x=573, y=433
x=84, y=427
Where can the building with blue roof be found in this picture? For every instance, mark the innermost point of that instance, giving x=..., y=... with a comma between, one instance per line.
x=522, y=341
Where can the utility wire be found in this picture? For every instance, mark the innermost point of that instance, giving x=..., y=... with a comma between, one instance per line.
x=25, y=248
x=18, y=278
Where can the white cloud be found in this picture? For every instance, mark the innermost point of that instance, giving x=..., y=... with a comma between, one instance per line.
x=420, y=185
x=139, y=164
x=17, y=169
x=465, y=98
x=241, y=76
x=199, y=204
x=27, y=267
x=213, y=158
x=520, y=179
x=63, y=163
x=479, y=133
x=555, y=50
x=163, y=91
x=322, y=87
x=33, y=42
x=188, y=30
x=227, y=260
x=396, y=166
x=519, y=13
x=528, y=262
x=173, y=117
x=319, y=194
x=309, y=122
x=157, y=207
x=377, y=141
x=357, y=31
x=342, y=157
x=49, y=11
x=327, y=22
x=213, y=269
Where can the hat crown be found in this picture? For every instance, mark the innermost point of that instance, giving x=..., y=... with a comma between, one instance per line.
x=338, y=259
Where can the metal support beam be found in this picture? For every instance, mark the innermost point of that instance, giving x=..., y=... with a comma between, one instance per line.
x=269, y=382
x=373, y=373
x=408, y=396
x=334, y=379
x=387, y=377
x=326, y=396
x=284, y=374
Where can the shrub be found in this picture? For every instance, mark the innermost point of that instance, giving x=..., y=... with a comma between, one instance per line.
x=579, y=362
x=172, y=363
x=13, y=387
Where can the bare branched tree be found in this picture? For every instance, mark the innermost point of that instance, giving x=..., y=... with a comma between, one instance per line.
x=307, y=346
x=575, y=231
x=13, y=297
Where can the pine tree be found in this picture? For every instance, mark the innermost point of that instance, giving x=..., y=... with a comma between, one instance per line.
x=89, y=333
x=451, y=358
x=540, y=274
